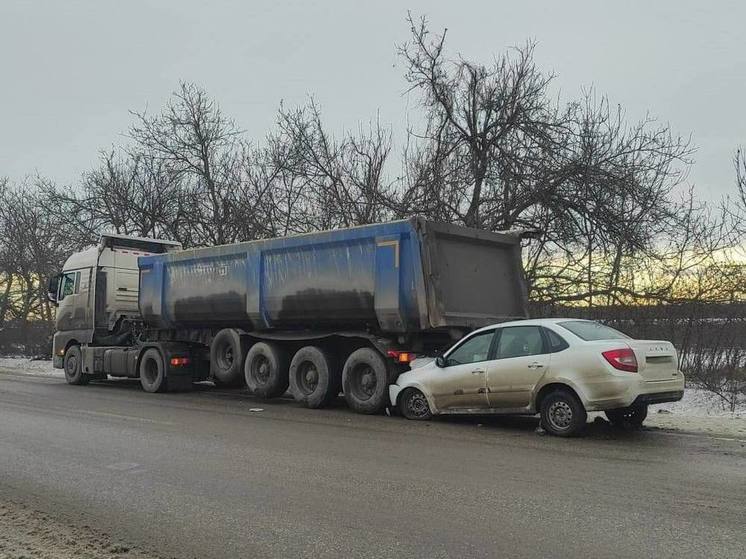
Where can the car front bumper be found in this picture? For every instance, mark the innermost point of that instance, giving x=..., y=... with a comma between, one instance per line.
x=394, y=390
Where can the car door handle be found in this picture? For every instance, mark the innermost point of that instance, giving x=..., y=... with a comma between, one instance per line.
x=535, y=365
x=477, y=372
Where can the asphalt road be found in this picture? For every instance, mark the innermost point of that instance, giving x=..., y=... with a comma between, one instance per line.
x=201, y=475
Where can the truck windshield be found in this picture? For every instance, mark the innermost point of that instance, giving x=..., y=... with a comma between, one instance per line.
x=592, y=331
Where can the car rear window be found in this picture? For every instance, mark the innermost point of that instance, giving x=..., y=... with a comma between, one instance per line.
x=591, y=331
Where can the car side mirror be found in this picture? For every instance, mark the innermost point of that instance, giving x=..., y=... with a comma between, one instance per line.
x=440, y=361
x=52, y=286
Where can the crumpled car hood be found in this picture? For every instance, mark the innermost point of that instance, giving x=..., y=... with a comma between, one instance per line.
x=420, y=362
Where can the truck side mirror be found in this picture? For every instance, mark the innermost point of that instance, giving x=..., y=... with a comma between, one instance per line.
x=440, y=361
x=52, y=286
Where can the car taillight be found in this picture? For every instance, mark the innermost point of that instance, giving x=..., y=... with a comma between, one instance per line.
x=401, y=356
x=179, y=361
x=623, y=359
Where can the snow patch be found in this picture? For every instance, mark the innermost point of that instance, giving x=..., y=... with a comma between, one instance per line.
x=698, y=402
x=26, y=366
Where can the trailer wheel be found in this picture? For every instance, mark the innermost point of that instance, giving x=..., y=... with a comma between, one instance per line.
x=227, y=353
x=314, y=378
x=266, y=370
x=73, y=365
x=152, y=371
x=365, y=381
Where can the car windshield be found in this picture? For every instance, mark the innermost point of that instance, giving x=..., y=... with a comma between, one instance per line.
x=591, y=331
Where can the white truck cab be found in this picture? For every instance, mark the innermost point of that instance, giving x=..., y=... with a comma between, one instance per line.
x=96, y=292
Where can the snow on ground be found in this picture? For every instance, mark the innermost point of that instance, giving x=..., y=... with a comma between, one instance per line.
x=701, y=412
x=35, y=367
x=701, y=403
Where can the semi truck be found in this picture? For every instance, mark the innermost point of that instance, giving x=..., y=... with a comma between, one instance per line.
x=339, y=311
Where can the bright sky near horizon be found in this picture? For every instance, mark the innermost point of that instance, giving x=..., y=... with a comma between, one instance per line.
x=72, y=71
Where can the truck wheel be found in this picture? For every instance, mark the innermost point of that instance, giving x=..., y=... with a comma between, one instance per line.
x=365, y=381
x=73, y=365
x=562, y=414
x=152, y=371
x=266, y=370
x=227, y=353
x=314, y=378
x=632, y=416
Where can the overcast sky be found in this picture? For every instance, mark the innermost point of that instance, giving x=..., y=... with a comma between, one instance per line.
x=71, y=71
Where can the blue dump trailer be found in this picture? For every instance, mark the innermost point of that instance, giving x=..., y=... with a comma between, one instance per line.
x=342, y=310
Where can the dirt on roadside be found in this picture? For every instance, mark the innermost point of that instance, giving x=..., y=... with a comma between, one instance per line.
x=26, y=533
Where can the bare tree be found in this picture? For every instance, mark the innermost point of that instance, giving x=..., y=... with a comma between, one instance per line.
x=484, y=126
x=35, y=245
x=199, y=146
x=343, y=180
x=498, y=153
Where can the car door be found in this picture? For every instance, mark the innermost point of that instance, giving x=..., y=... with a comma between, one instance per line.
x=521, y=359
x=461, y=384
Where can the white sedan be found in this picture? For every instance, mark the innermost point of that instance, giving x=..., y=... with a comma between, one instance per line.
x=560, y=368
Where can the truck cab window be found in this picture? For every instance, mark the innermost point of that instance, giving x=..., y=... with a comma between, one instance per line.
x=68, y=284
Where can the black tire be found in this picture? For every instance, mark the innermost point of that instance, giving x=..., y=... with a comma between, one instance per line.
x=72, y=363
x=152, y=371
x=227, y=354
x=266, y=370
x=315, y=378
x=628, y=417
x=365, y=381
x=413, y=405
x=562, y=414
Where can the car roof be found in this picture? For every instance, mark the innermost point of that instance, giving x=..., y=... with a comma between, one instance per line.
x=532, y=322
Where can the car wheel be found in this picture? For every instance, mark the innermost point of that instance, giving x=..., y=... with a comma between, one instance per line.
x=632, y=416
x=413, y=405
x=266, y=370
x=562, y=414
x=73, y=366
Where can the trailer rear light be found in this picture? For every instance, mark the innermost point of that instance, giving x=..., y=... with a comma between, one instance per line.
x=401, y=356
x=179, y=361
x=622, y=359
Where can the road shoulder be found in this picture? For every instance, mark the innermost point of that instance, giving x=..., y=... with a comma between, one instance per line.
x=26, y=532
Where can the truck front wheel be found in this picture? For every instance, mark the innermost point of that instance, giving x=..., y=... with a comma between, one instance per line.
x=152, y=371
x=266, y=370
x=73, y=365
x=365, y=381
x=314, y=378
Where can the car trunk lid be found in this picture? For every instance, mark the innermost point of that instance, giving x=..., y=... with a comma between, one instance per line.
x=656, y=360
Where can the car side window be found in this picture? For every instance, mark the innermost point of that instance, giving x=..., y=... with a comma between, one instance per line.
x=556, y=342
x=519, y=341
x=473, y=350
